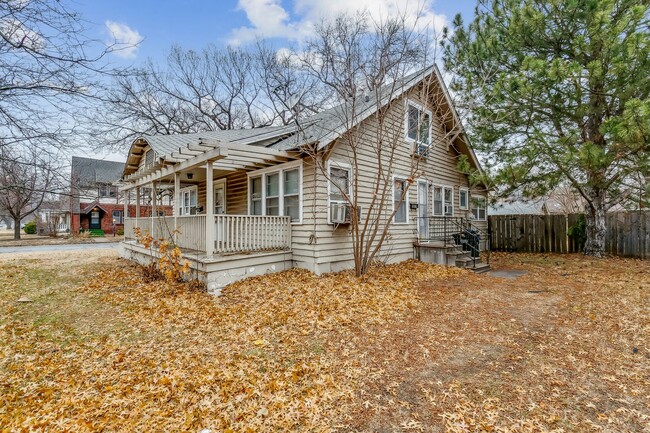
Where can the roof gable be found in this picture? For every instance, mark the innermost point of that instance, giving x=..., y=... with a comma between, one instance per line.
x=321, y=129
x=89, y=171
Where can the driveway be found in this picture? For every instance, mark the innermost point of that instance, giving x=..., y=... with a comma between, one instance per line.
x=63, y=247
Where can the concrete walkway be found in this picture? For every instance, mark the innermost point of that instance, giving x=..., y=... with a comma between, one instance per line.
x=62, y=247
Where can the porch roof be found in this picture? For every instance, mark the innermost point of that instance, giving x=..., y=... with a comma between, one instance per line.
x=225, y=156
x=91, y=206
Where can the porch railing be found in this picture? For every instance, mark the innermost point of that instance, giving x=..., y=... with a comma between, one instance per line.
x=191, y=232
x=233, y=233
x=243, y=233
x=129, y=226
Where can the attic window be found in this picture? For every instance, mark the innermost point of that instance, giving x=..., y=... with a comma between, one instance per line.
x=149, y=156
x=418, y=127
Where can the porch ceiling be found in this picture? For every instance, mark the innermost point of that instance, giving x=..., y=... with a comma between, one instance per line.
x=224, y=156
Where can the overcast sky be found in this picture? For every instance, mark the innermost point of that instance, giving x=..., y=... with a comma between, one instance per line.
x=153, y=26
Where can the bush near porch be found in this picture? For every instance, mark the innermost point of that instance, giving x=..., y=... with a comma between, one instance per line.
x=414, y=347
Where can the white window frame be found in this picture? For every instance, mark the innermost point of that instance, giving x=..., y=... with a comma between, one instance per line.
x=433, y=200
x=119, y=219
x=342, y=166
x=182, y=208
x=406, y=200
x=153, y=158
x=279, y=169
x=467, y=198
x=421, y=109
x=484, y=198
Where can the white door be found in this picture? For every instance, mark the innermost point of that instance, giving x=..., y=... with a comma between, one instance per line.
x=220, y=198
x=423, y=210
x=220, y=209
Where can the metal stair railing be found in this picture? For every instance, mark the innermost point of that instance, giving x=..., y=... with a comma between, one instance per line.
x=452, y=231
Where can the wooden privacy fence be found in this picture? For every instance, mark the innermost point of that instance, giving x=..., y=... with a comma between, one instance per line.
x=628, y=233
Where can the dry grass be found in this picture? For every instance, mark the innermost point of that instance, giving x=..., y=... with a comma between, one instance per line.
x=414, y=347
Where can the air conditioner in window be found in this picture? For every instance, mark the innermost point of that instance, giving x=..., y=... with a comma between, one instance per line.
x=449, y=209
x=341, y=213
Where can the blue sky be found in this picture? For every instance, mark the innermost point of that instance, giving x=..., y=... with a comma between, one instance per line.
x=156, y=25
x=196, y=23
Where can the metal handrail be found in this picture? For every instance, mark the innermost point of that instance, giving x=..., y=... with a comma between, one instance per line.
x=443, y=228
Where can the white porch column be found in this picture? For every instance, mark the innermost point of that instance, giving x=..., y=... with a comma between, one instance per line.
x=126, y=197
x=137, y=205
x=177, y=201
x=209, y=212
x=153, y=206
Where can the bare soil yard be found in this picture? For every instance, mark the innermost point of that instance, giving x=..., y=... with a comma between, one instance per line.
x=564, y=347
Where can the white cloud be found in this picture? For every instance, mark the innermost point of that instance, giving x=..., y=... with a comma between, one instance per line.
x=125, y=39
x=269, y=19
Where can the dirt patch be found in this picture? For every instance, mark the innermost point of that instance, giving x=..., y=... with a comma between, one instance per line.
x=483, y=353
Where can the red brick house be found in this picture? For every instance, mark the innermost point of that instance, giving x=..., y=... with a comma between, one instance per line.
x=95, y=200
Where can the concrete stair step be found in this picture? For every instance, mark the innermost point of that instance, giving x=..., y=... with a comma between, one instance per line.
x=480, y=268
x=466, y=261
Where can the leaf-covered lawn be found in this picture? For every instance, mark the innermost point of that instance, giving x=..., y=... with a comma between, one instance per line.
x=414, y=347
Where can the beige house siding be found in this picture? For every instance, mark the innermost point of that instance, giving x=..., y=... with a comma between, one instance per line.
x=322, y=247
x=330, y=248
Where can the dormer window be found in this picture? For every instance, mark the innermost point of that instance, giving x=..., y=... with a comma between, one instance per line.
x=418, y=127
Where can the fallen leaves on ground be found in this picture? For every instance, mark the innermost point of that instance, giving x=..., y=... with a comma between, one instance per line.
x=411, y=348
x=279, y=352
x=562, y=348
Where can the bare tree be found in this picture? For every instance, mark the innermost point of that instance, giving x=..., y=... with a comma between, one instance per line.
x=367, y=64
x=215, y=89
x=47, y=68
x=25, y=181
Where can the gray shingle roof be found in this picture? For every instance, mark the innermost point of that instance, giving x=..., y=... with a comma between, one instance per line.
x=89, y=171
x=329, y=124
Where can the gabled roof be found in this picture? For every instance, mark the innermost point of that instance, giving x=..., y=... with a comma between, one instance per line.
x=325, y=127
x=92, y=206
x=321, y=129
x=328, y=125
x=89, y=171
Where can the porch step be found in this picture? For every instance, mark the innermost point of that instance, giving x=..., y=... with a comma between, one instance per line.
x=480, y=268
x=465, y=261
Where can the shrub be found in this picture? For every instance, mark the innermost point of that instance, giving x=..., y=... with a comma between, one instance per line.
x=30, y=228
x=119, y=232
x=169, y=265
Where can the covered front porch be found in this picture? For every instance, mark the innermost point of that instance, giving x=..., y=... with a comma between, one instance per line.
x=207, y=184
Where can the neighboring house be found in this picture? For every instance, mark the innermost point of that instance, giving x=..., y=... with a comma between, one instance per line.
x=251, y=202
x=561, y=201
x=95, y=200
x=53, y=217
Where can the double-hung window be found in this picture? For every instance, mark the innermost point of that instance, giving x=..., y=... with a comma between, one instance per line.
x=400, y=200
x=255, y=195
x=188, y=201
x=273, y=194
x=340, y=186
x=292, y=194
x=276, y=192
x=107, y=191
x=117, y=217
x=463, y=198
x=479, y=207
x=418, y=127
x=443, y=201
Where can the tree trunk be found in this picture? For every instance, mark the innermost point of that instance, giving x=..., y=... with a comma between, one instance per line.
x=596, y=229
x=17, y=229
